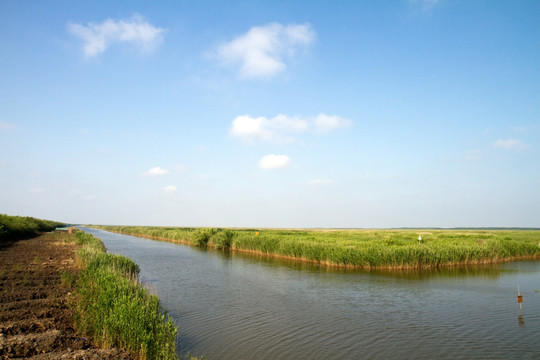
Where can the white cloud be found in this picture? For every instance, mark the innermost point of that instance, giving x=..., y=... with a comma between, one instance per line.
x=248, y=126
x=170, y=188
x=4, y=125
x=273, y=161
x=326, y=123
x=36, y=189
x=89, y=197
x=277, y=129
x=155, y=171
x=282, y=128
x=261, y=51
x=510, y=144
x=98, y=37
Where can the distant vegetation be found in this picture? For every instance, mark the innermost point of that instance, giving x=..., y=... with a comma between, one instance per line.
x=398, y=249
x=115, y=309
x=13, y=227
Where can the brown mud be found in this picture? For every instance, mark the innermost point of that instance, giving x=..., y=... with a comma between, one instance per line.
x=36, y=321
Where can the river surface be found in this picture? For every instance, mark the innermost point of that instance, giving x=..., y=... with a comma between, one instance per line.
x=238, y=306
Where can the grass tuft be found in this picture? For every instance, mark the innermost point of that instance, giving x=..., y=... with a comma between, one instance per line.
x=113, y=307
x=200, y=237
x=223, y=239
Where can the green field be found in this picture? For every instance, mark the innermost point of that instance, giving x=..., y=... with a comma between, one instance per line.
x=399, y=249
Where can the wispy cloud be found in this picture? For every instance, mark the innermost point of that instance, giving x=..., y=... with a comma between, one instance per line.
x=261, y=52
x=317, y=183
x=426, y=5
x=369, y=177
x=473, y=155
x=510, y=144
x=520, y=129
x=36, y=189
x=278, y=129
x=4, y=125
x=282, y=128
x=321, y=182
x=326, y=123
x=272, y=161
x=135, y=31
x=170, y=188
x=156, y=171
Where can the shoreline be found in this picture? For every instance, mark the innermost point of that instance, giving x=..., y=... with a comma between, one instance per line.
x=138, y=322
x=418, y=266
x=36, y=313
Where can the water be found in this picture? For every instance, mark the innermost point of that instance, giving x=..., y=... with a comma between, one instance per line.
x=237, y=306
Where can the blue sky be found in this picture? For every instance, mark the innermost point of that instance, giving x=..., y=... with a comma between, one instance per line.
x=271, y=114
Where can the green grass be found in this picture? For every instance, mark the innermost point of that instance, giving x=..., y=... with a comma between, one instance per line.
x=14, y=227
x=360, y=248
x=115, y=309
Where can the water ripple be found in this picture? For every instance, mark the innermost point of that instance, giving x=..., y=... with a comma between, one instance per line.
x=237, y=307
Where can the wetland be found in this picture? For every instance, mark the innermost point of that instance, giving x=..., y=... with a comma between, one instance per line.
x=232, y=305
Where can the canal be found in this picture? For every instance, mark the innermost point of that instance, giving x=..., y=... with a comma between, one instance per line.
x=239, y=306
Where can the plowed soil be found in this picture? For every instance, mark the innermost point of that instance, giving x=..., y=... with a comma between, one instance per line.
x=36, y=321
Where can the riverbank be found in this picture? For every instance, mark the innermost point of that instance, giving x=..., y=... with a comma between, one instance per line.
x=368, y=249
x=19, y=227
x=115, y=309
x=36, y=319
x=234, y=306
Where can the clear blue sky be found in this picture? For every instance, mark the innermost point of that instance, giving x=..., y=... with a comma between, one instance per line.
x=271, y=113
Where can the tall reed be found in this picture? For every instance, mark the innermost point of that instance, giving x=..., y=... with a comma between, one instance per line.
x=361, y=248
x=115, y=309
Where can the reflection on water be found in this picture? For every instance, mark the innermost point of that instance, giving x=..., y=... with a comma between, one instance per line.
x=242, y=306
x=484, y=270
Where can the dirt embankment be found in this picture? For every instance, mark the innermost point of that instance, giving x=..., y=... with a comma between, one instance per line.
x=35, y=319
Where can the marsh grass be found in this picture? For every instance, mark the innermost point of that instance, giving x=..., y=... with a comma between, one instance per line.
x=223, y=239
x=201, y=237
x=15, y=227
x=398, y=249
x=115, y=309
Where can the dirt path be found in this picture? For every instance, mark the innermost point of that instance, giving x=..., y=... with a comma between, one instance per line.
x=35, y=320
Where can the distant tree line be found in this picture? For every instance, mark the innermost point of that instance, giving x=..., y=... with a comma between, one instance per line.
x=14, y=227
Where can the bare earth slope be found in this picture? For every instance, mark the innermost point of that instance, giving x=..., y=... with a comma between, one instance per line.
x=35, y=319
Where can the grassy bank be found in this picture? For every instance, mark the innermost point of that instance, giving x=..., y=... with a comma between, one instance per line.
x=360, y=248
x=16, y=227
x=113, y=308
